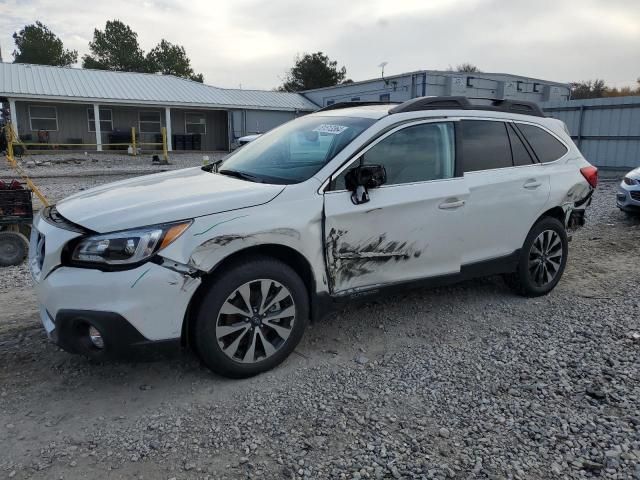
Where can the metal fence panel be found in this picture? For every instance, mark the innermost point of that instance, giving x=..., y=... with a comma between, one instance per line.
x=606, y=130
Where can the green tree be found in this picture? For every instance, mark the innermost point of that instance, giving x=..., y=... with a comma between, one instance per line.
x=466, y=68
x=37, y=44
x=170, y=59
x=313, y=70
x=115, y=48
x=589, y=89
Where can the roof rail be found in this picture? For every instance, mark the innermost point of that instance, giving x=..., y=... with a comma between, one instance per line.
x=463, y=103
x=340, y=105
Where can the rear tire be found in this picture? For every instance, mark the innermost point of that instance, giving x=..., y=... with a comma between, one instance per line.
x=542, y=260
x=14, y=248
x=252, y=317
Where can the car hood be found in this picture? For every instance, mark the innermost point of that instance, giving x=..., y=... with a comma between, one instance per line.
x=635, y=174
x=163, y=197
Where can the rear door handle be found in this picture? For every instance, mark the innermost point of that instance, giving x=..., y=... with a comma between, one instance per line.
x=451, y=203
x=532, y=184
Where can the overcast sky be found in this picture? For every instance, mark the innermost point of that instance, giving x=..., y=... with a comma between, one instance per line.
x=253, y=42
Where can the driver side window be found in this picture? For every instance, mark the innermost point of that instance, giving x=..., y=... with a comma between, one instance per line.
x=414, y=154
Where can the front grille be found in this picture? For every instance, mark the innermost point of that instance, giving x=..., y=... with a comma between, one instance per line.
x=635, y=194
x=39, y=251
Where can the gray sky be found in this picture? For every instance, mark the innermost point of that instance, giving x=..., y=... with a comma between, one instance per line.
x=253, y=42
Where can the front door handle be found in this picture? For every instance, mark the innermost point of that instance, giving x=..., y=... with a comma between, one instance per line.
x=451, y=203
x=532, y=184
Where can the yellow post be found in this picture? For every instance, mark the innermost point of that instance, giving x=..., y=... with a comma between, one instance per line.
x=165, y=153
x=12, y=162
x=133, y=141
x=9, y=134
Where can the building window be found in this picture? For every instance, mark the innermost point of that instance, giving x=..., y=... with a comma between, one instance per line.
x=43, y=118
x=106, y=120
x=195, y=123
x=330, y=102
x=149, y=122
x=385, y=97
x=355, y=99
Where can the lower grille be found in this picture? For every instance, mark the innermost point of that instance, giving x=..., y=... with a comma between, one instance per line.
x=635, y=194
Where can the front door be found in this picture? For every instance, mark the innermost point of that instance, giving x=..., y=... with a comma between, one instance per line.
x=412, y=226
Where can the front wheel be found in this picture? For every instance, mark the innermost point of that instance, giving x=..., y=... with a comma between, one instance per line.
x=542, y=260
x=251, y=318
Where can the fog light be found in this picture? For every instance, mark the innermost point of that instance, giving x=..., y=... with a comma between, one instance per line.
x=96, y=338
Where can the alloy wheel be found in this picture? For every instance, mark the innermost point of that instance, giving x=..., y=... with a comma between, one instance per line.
x=255, y=321
x=545, y=257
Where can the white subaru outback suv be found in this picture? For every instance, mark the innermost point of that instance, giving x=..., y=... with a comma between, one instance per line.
x=235, y=259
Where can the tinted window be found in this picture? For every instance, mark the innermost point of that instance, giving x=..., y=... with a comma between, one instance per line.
x=520, y=154
x=485, y=145
x=414, y=154
x=546, y=146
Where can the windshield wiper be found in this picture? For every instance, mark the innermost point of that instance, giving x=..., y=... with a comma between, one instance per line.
x=241, y=175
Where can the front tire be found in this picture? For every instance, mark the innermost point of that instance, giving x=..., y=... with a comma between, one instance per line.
x=542, y=260
x=251, y=318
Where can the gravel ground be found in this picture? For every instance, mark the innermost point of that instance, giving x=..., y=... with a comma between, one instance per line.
x=468, y=381
x=60, y=175
x=81, y=164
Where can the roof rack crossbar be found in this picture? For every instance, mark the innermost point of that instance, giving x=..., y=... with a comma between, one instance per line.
x=462, y=103
x=340, y=105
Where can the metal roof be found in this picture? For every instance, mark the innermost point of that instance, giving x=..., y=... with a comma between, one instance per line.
x=443, y=73
x=45, y=82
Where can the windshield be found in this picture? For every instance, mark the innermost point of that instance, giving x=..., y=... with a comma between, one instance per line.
x=295, y=151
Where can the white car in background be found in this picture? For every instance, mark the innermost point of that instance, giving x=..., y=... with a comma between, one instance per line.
x=628, y=196
x=346, y=203
x=242, y=141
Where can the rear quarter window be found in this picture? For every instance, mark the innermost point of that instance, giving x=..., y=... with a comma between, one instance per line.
x=546, y=147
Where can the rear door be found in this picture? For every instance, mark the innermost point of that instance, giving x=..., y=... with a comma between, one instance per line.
x=508, y=189
x=412, y=226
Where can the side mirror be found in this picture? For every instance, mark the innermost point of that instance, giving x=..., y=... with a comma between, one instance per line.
x=360, y=179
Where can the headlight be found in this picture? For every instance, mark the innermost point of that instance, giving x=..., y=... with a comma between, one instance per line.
x=630, y=181
x=126, y=247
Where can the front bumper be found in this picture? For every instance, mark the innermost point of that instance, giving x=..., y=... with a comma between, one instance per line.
x=144, y=304
x=128, y=307
x=628, y=198
x=71, y=331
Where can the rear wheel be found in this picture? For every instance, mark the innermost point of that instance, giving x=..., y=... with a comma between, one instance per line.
x=252, y=318
x=542, y=260
x=14, y=248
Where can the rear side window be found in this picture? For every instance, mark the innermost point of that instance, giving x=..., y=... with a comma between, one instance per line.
x=485, y=145
x=520, y=154
x=546, y=147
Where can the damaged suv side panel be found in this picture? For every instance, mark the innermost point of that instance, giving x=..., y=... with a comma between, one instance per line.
x=214, y=238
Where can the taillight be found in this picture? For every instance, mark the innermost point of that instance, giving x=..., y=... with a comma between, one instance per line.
x=590, y=174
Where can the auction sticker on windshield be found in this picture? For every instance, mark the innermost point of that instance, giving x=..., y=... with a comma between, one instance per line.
x=330, y=129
